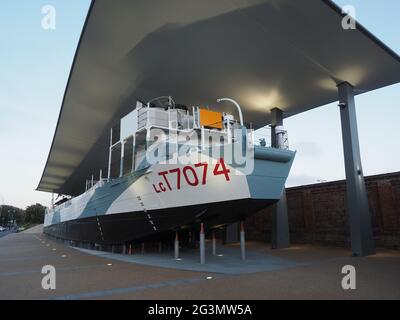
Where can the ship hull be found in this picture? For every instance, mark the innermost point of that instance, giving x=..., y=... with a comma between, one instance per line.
x=163, y=198
x=131, y=226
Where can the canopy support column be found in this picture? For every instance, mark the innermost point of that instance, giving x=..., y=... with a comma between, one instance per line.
x=362, y=242
x=280, y=224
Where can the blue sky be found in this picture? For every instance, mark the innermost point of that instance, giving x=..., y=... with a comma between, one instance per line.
x=34, y=69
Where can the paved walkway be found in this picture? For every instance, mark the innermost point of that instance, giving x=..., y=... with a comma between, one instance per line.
x=36, y=229
x=301, y=272
x=227, y=260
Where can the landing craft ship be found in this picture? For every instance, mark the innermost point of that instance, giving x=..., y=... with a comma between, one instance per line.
x=171, y=167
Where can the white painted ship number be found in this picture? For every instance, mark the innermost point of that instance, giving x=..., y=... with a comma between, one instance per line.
x=190, y=175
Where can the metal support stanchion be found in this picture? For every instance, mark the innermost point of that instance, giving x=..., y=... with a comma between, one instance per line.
x=176, y=246
x=242, y=241
x=202, y=245
x=192, y=239
x=214, y=244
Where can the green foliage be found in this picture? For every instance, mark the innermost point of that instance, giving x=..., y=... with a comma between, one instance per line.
x=10, y=213
x=32, y=215
x=35, y=213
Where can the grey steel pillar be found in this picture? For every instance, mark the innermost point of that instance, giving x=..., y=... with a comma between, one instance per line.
x=242, y=242
x=176, y=246
x=202, y=245
x=280, y=223
x=214, y=244
x=362, y=242
x=231, y=235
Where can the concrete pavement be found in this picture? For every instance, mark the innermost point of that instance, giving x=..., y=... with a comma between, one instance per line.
x=305, y=272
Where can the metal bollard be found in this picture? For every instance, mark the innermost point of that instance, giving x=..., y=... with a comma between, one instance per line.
x=176, y=246
x=214, y=244
x=242, y=242
x=202, y=245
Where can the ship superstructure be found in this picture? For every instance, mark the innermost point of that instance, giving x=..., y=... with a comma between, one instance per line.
x=170, y=167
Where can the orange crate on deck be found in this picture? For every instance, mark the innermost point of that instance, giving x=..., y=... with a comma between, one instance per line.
x=210, y=119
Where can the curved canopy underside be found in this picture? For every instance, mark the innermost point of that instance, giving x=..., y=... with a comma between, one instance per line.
x=263, y=53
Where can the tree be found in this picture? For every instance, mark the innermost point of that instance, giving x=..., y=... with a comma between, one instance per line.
x=9, y=213
x=35, y=213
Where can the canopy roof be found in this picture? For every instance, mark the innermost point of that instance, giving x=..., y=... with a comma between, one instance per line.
x=262, y=53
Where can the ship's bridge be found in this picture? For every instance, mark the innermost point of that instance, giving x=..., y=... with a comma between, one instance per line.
x=168, y=128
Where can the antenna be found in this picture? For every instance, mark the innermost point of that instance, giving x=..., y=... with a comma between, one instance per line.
x=237, y=106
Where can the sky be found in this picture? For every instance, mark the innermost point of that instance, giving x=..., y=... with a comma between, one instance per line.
x=35, y=65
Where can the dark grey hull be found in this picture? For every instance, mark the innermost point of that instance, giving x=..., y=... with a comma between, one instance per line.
x=136, y=226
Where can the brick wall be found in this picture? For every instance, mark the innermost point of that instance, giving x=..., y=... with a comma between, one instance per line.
x=317, y=213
